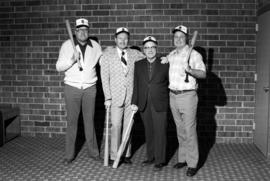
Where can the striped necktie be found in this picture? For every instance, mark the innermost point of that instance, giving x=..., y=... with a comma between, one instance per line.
x=123, y=59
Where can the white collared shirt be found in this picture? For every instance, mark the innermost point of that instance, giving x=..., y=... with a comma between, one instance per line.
x=119, y=51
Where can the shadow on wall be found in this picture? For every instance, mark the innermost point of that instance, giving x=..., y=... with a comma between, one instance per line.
x=211, y=93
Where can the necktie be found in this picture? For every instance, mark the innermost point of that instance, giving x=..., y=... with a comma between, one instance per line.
x=123, y=59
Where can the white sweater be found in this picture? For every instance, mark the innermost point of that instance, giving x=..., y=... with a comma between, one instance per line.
x=73, y=76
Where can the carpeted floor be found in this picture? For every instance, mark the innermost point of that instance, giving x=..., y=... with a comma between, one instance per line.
x=29, y=158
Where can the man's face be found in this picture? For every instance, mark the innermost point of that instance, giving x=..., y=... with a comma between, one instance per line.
x=150, y=49
x=179, y=39
x=82, y=34
x=121, y=40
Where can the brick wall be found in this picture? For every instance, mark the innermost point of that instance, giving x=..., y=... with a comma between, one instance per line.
x=33, y=30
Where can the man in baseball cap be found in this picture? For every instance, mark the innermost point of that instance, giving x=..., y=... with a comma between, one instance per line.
x=182, y=90
x=79, y=65
x=151, y=97
x=117, y=73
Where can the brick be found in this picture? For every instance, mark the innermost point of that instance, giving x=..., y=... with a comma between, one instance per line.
x=36, y=129
x=41, y=123
x=101, y=13
x=233, y=128
x=245, y=98
x=17, y=3
x=145, y=18
x=54, y=118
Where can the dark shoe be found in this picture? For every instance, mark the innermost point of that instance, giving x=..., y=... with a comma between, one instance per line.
x=126, y=160
x=95, y=158
x=111, y=162
x=68, y=161
x=180, y=165
x=191, y=171
x=158, y=167
x=148, y=162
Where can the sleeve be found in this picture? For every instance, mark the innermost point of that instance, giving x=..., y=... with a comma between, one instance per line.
x=197, y=61
x=105, y=76
x=64, y=61
x=139, y=55
x=170, y=55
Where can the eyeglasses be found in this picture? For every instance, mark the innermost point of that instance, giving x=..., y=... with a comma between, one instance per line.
x=150, y=48
x=82, y=30
x=180, y=37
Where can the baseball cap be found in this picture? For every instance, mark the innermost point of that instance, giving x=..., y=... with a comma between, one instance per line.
x=121, y=30
x=150, y=38
x=181, y=28
x=82, y=22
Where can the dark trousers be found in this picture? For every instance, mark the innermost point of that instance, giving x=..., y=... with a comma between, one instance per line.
x=77, y=100
x=155, y=124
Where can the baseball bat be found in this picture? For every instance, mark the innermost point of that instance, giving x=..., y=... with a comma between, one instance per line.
x=193, y=40
x=124, y=141
x=72, y=42
x=106, y=147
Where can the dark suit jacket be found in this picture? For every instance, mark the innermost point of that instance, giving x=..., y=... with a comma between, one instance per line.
x=157, y=87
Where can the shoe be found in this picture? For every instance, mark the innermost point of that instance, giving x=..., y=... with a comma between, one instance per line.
x=111, y=162
x=68, y=161
x=158, y=167
x=95, y=158
x=191, y=171
x=126, y=160
x=180, y=165
x=148, y=162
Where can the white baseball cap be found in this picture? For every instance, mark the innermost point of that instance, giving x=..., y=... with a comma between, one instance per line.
x=82, y=22
x=150, y=38
x=121, y=30
x=181, y=28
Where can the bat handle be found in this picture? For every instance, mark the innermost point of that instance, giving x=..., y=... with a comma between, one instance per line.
x=72, y=42
x=186, y=79
x=106, y=147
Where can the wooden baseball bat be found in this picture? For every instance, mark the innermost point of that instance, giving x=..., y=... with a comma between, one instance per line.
x=193, y=40
x=124, y=141
x=72, y=42
x=106, y=147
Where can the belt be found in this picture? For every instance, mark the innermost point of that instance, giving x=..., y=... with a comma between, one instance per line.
x=181, y=91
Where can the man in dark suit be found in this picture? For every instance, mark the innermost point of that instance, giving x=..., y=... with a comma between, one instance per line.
x=151, y=97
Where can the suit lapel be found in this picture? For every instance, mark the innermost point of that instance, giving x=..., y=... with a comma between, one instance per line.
x=144, y=70
x=129, y=56
x=117, y=61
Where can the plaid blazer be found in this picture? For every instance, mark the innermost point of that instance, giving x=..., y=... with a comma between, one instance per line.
x=118, y=85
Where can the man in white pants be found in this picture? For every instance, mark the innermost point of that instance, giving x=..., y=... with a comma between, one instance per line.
x=184, y=99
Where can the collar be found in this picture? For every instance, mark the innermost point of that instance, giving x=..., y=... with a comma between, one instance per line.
x=119, y=51
x=87, y=43
x=152, y=61
x=185, y=48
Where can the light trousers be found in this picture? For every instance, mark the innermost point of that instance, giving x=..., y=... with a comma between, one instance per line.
x=184, y=110
x=120, y=118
